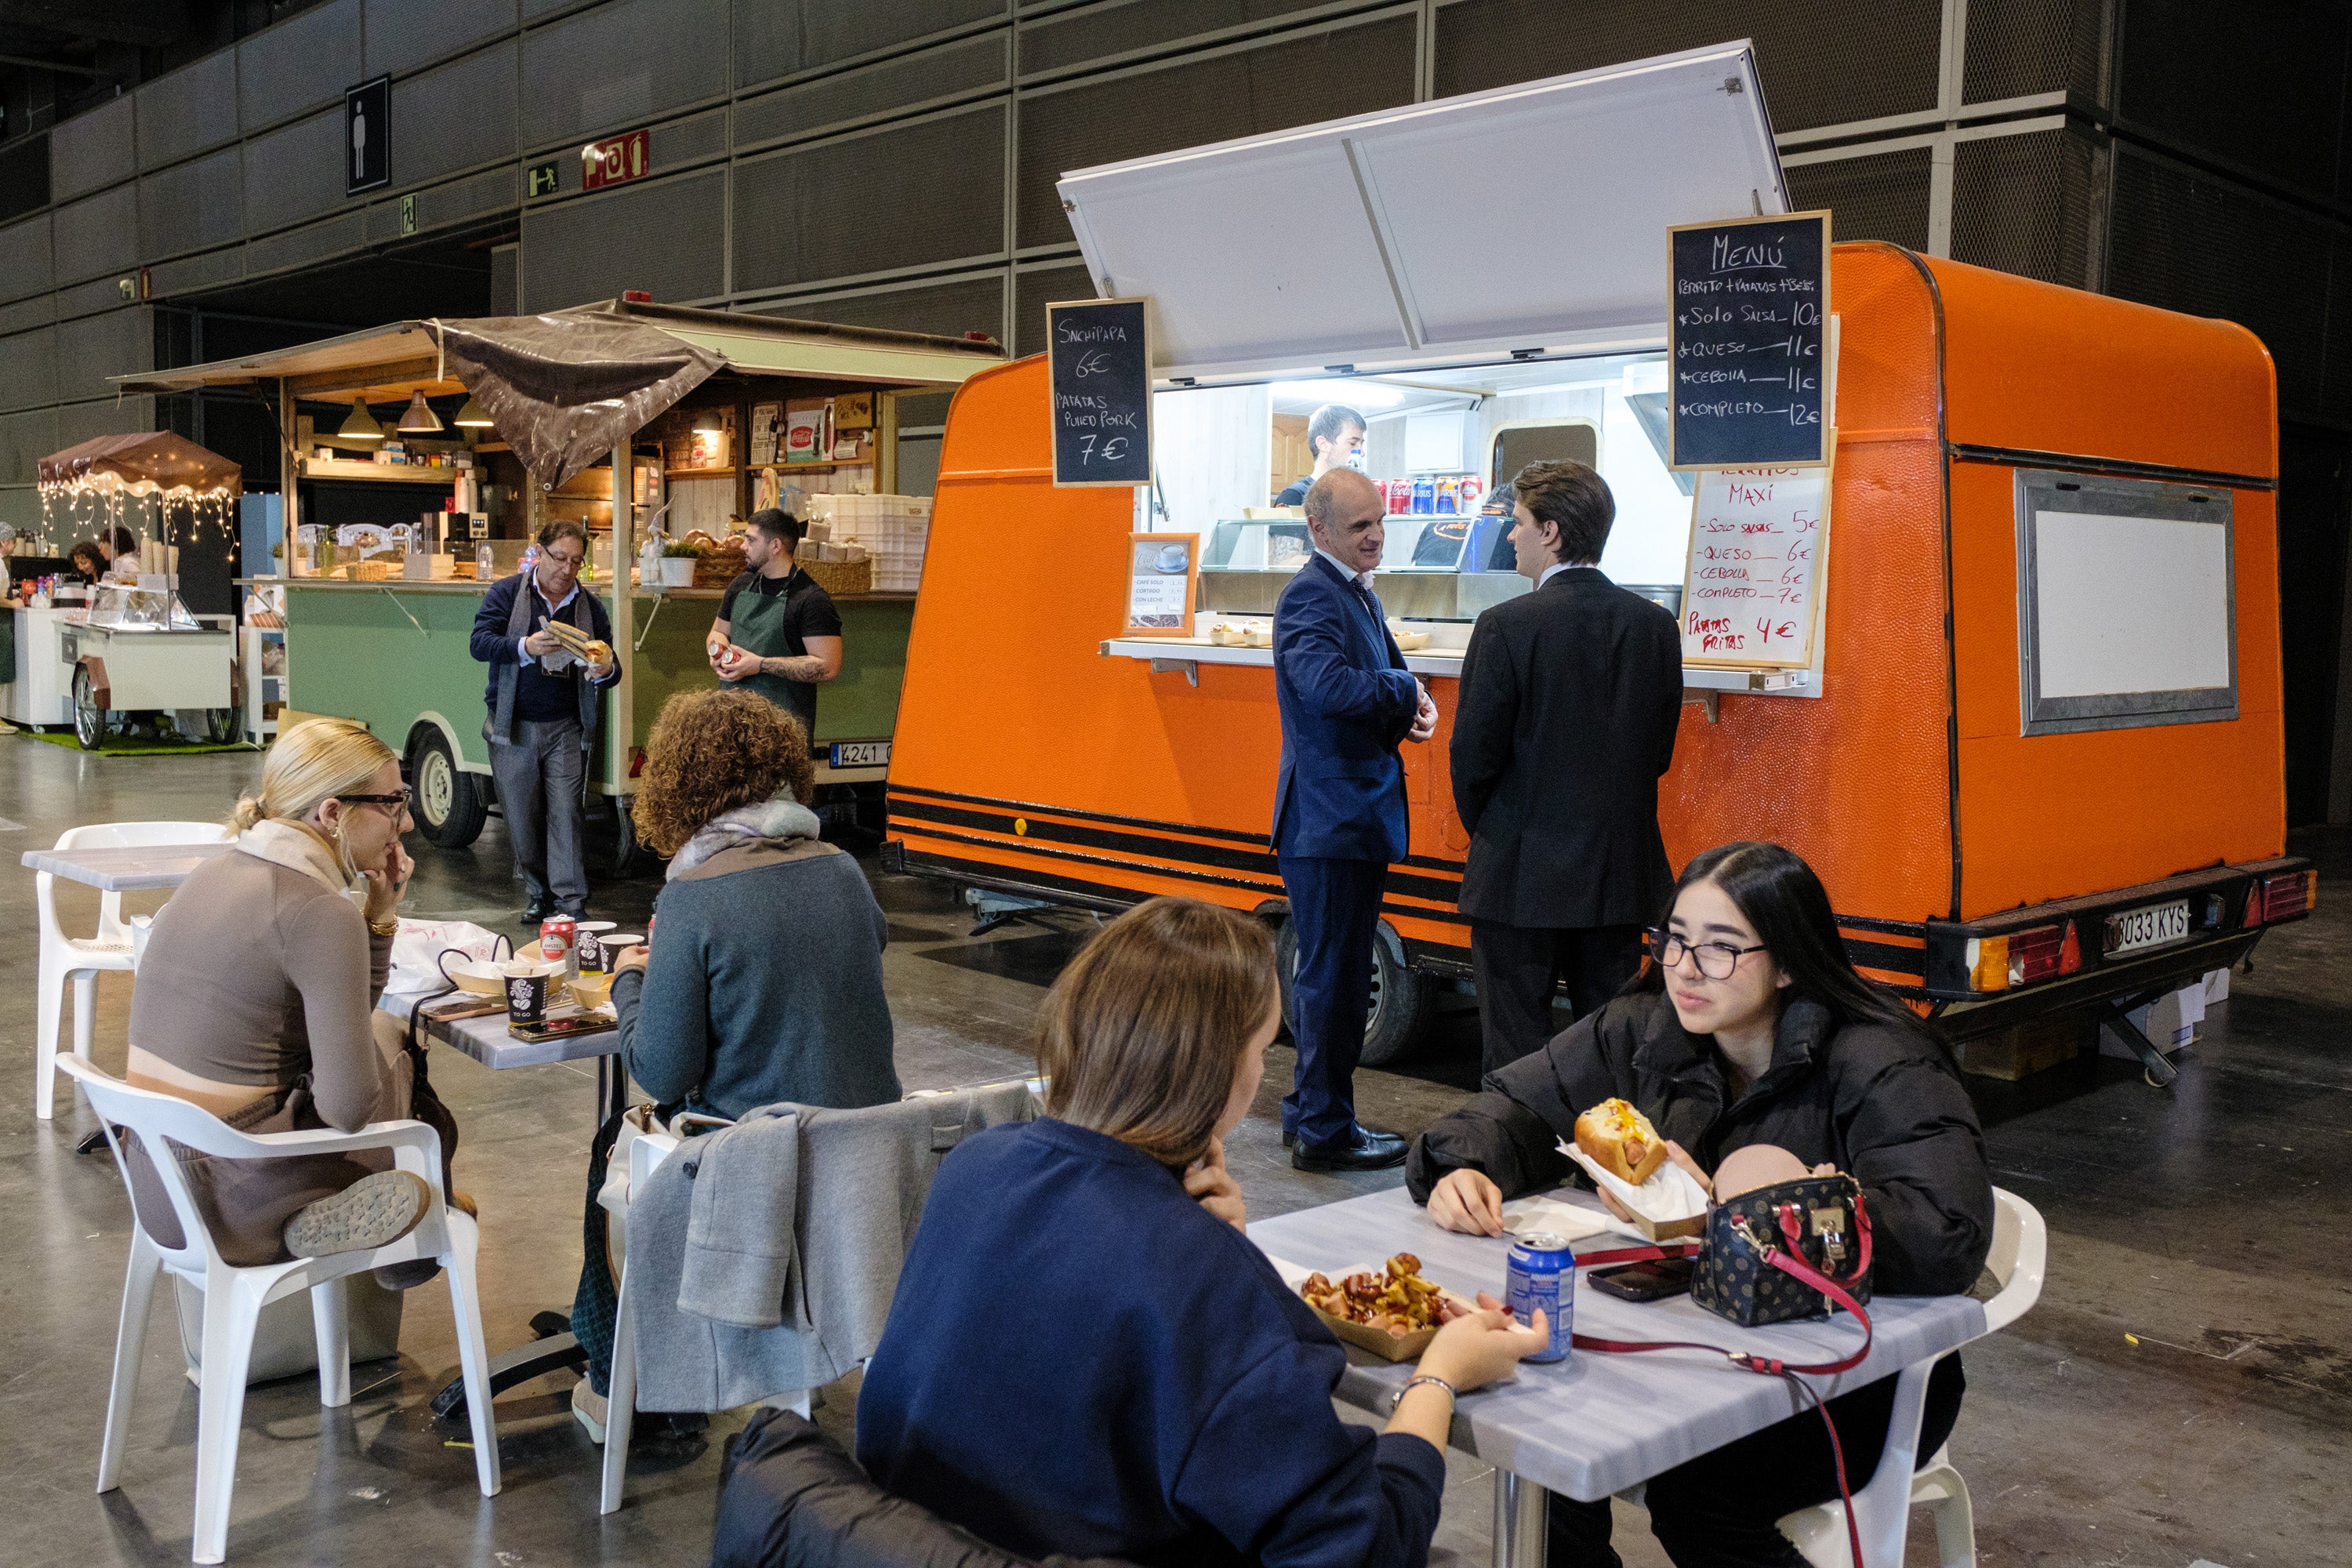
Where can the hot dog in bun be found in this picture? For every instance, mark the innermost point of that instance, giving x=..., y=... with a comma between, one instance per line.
x=1621, y=1140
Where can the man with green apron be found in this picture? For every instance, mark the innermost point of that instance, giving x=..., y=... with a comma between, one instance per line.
x=777, y=633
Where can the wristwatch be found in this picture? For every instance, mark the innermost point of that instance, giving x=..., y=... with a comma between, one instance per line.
x=1416, y=1380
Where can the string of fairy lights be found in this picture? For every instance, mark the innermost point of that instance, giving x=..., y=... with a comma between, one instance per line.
x=93, y=505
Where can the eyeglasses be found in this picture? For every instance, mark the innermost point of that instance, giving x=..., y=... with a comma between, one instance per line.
x=403, y=801
x=569, y=563
x=1716, y=960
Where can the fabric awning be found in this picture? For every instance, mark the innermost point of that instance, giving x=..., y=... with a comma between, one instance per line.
x=154, y=458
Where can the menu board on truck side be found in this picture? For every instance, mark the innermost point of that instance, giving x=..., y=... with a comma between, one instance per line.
x=1099, y=365
x=1752, y=589
x=1748, y=334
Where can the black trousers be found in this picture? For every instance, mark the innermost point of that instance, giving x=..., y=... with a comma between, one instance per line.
x=1722, y=1509
x=1335, y=907
x=1516, y=967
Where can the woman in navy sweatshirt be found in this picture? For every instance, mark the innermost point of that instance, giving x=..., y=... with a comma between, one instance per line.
x=1085, y=1355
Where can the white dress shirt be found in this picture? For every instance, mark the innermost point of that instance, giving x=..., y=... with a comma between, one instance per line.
x=1361, y=579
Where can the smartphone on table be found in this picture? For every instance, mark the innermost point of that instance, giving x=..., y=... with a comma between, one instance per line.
x=1652, y=1281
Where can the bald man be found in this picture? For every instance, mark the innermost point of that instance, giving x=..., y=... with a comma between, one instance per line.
x=1339, y=809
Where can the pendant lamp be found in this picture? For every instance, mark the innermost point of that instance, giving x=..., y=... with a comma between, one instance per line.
x=418, y=418
x=474, y=417
x=361, y=426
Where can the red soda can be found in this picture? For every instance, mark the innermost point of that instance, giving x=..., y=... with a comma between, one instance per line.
x=1398, y=495
x=559, y=942
x=1467, y=494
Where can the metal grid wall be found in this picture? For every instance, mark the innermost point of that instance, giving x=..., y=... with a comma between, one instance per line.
x=927, y=194
x=776, y=38
x=2016, y=47
x=301, y=246
x=193, y=206
x=618, y=66
x=664, y=237
x=948, y=309
x=1883, y=196
x=37, y=311
x=295, y=173
x=1091, y=35
x=2258, y=86
x=1032, y=291
x=2025, y=205
x=402, y=35
x=93, y=150
x=80, y=422
x=24, y=178
x=894, y=85
x=25, y=439
x=2189, y=242
x=95, y=347
x=1292, y=81
x=1823, y=63
x=304, y=61
x=454, y=116
x=28, y=369
x=191, y=109
x=25, y=259
x=97, y=234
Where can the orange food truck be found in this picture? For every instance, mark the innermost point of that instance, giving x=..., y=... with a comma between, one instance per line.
x=2036, y=755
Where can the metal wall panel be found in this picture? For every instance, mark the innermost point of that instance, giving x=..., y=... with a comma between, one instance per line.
x=534, y=10
x=1883, y=196
x=909, y=195
x=682, y=143
x=454, y=117
x=37, y=311
x=93, y=150
x=25, y=439
x=2021, y=47
x=779, y=37
x=619, y=65
x=80, y=422
x=97, y=234
x=95, y=347
x=492, y=191
x=300, y=247
x=295, y=173
x=402, y=35
x=665, y=237
x=2189, y=242
x=975, y=303
x=1032, y=291
x=1088, y=34
x=303, y=62
x=24, y=176
x=25, y=259
x=2024, y=204
x=192, y=273
x=506, y=297
x=909, y=83
x=1294, y=80
x=28, y=369
x=2259, y=86
x=190, y=110
x=193, y=206
x=1823, y=63
x=94, y=298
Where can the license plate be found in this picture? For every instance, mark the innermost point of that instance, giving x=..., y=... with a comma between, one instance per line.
x=2153, y=926
x=864, y=754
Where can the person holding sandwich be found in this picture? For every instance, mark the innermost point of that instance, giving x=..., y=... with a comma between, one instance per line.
x=777, y=633
x=1757, y=1053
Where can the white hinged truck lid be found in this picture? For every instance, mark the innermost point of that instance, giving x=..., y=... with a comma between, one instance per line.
x=1527, y=216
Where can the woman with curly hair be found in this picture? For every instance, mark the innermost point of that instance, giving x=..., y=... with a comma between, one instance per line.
x=764, y=980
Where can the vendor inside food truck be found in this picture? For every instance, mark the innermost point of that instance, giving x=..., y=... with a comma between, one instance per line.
x=1335, y=436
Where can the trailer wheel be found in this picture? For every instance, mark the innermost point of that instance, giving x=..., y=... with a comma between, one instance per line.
x=220, y=725
x=625, y=847
x=89, y=718
x=1402, y=996
x=449, y=807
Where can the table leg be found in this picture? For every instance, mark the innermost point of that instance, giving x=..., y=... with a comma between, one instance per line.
x=1521, y=1522
x=612, y=1088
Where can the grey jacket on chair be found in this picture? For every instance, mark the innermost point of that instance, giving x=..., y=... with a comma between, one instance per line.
x=852, y=1182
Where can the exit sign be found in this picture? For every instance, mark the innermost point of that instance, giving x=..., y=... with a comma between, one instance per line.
x=615, y=160
x=542, y=181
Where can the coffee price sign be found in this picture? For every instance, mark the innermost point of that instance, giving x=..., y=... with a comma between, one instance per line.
x=1748, y=342
x=1099, y=365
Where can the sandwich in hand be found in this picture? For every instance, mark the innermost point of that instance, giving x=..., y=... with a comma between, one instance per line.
x=1619, y=1139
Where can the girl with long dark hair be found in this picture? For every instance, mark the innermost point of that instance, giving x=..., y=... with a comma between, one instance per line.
x=1749, y=1041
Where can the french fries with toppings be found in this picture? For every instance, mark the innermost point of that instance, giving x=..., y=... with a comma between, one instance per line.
x=1399, y=1301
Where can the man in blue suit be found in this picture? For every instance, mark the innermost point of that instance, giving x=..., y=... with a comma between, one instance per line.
x=1339, y=809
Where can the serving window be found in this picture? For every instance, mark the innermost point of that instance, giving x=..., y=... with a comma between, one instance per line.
x=2126, y=607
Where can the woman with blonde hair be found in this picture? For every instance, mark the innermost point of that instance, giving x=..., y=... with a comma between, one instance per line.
x=257, y=996
x=1183, y=1411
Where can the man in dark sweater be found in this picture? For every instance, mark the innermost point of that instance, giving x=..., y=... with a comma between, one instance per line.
x=543, y=703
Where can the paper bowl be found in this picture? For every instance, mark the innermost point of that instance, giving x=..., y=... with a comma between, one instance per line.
x=591, y=990
x=480, y=979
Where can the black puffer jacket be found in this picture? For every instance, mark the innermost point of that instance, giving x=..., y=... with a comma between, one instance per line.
x=1881, y=1103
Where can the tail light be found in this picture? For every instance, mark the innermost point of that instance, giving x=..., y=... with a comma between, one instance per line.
x=2282, y=896
x=2023, y=957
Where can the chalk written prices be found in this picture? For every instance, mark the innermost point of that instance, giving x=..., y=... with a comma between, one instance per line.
x=1749, y=305
x=1752, y=583
x=1100, y=364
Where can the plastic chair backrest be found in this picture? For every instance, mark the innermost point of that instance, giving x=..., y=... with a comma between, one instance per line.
x=151, y=1117
x=2020, y=1247
x=118, y=836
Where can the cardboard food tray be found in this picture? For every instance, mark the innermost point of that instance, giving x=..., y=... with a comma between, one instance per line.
x=1379, y=1342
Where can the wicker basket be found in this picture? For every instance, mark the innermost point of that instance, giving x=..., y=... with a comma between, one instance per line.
x=717, y=570
x=841, y=576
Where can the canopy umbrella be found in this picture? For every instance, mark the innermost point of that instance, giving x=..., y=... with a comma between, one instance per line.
x=148, y=462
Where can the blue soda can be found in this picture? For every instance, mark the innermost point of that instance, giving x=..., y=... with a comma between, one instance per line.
x=1424, y=496
x=1543, y=1274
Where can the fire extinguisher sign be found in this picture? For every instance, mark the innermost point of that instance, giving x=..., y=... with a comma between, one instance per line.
x=616, y=160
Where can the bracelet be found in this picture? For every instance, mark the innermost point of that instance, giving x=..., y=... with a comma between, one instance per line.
x=1416, y=1381
x=388, y=927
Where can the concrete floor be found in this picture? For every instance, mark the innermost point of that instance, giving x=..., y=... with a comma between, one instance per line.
x=2183, y=1391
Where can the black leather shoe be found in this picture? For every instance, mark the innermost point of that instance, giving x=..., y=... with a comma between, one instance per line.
x=1366, y=1151
x=1290, y=1138
x=534, y=914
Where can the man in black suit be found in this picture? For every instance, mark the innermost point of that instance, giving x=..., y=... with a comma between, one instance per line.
x=1566, y=720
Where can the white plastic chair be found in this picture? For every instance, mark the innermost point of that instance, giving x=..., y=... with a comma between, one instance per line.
x=234, y=1296
x=2021, y=1245
x=78, y=958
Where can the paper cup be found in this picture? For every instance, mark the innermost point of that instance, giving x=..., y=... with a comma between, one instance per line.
x=592, y=949
x=527, y=996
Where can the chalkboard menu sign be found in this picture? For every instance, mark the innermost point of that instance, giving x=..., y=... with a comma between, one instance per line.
x=1099, y=362
x=1749, y=337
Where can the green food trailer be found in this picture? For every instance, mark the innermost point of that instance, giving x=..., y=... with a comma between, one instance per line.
x=549, y=401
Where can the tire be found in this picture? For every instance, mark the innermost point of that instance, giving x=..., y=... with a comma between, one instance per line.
x=626, y=851
x=89, y=718
x=220, y=725
x=1402, y=998
x=450, y=810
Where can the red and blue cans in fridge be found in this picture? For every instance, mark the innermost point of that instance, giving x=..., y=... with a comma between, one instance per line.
x=1543, y=1276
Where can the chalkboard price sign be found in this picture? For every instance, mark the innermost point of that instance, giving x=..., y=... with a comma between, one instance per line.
x=1099, y=362
x=1749, y=340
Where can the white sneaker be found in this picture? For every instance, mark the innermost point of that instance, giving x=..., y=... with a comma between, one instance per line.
x=590, y=1408
x=374, y=1210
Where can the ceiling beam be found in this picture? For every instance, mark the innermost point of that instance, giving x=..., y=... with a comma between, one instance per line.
x=60, y=67
x=146, y=23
